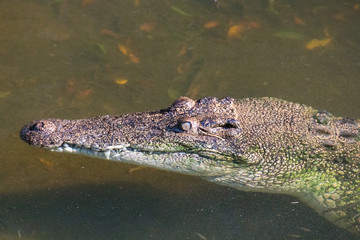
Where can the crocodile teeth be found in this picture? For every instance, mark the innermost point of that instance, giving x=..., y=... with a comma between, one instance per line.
x=117, y=147
x=107, y=154
x=68, y=149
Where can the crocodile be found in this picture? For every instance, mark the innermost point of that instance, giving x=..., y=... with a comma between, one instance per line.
x=253, y=144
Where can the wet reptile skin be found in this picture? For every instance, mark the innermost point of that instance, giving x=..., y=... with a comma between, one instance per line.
x=262, y=144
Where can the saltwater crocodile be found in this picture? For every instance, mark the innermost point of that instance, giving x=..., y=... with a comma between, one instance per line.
x=262, y=144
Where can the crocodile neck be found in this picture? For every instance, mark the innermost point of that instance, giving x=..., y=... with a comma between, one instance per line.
x=263, y=144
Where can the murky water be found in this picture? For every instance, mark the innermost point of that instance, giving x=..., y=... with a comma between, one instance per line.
x=75, y=59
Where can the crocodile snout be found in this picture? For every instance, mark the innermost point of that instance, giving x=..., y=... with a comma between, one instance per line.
x=39, y=133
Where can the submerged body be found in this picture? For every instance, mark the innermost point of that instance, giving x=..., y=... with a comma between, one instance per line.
x=262, y=144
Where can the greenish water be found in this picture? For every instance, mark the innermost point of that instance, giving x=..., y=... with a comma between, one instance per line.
x=70, y=59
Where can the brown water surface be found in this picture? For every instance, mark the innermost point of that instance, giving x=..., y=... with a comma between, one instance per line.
x=82, y=58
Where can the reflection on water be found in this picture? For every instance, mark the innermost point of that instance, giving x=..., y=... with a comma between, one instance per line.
x=134, y=211
x=74, y=59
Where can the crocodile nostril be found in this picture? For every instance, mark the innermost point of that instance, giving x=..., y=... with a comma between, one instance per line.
x=42, y=126
x=37, y=126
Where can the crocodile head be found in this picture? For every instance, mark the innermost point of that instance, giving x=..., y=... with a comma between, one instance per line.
x=189, y=137
x=263, y=144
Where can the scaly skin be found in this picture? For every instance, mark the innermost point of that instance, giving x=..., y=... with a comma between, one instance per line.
x=263, y=144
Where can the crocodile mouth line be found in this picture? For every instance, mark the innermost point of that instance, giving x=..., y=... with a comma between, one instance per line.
x=110, y=152
x=115, y=152
x=106, y=153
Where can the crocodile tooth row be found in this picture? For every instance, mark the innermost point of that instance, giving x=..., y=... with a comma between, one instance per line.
x=93, y=151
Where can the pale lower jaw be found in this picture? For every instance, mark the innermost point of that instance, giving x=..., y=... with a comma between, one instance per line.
x=190, y=163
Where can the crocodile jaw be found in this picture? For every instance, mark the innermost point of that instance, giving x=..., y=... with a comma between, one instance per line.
x=172, y=161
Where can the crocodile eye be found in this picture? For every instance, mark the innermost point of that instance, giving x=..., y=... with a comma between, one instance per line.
x=185, y=126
